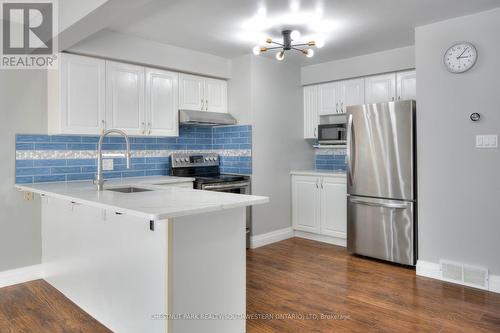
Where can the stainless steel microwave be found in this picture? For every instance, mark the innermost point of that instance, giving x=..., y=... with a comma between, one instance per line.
x=332, y=134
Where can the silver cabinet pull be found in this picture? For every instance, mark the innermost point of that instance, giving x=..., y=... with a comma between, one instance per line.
x=206, y=105
x=322, y=184
x=202, y=104
x=149, y=125
x=143, y=125
x=315, y=130
x=103, y=126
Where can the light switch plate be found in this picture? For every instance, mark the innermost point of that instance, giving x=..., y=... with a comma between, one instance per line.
x=487, y=141
x=107, y=164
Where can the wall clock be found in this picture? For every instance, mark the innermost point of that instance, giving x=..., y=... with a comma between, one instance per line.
x=460, y=57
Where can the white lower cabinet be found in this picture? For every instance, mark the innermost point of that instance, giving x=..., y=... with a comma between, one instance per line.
x=319, y=205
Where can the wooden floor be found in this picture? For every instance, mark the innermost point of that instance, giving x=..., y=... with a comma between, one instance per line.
x=299, y=277
x=290, y=286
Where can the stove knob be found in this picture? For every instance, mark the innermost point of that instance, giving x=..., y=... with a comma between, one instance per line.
x=177, y=160
x=185, y=159
x=213, y=158
x=207, y=158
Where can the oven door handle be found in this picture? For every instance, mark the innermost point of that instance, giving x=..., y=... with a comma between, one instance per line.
x=225, y=187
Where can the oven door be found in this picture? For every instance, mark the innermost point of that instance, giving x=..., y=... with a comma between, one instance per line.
x=231, y=187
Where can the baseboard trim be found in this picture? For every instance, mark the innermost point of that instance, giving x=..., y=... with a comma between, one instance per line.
x=432, y=270
x=20, y=275
x=270, y=237
x=321, y=238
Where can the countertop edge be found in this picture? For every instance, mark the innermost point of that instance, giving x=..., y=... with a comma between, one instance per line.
x=318, y=173
x=139, y=214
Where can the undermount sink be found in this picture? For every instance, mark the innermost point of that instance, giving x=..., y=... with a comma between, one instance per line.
x=128, y=189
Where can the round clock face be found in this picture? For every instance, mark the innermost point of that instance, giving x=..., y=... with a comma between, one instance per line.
x=460, y=57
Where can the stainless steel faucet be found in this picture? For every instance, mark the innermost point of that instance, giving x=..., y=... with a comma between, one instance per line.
x=99, y=180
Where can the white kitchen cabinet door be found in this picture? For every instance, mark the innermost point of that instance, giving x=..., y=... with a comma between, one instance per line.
x=352, y=92
x=328, y=95
x=406, y=85
x=81, y=90
x=305, y=203
x=311, y=117
x=333, y=207
x=191, y=92
x=162, y=103
x=125, y=98
x=380, y=88
x=215, y=95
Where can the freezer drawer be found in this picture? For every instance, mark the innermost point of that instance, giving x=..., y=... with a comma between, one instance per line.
x=381, y=228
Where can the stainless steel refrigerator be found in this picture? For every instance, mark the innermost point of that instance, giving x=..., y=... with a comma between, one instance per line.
x=381, y=181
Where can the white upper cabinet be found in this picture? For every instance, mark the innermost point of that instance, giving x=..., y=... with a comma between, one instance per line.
x=76, y=101
x=311, y=117
x=191, y=92
x=125, y=98
x=380, y=88
x=202, y=94
x=352, y=92
x=215, y=95
x=162, y=103
x=406, y=85
x=329, y=98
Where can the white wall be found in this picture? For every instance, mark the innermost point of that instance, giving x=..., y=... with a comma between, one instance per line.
x=113, y=45
x=267, y=94
x=369, y=64
x=23, y=94
x=459, y=185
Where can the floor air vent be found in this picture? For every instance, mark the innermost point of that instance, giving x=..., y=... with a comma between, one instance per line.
x=476, y=277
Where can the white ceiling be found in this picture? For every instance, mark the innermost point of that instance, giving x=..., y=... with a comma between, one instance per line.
x=230, y=28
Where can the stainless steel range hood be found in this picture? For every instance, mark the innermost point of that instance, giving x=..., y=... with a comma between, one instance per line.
x=204, y=118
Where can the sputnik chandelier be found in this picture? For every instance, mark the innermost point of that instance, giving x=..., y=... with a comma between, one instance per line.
x=288, y=37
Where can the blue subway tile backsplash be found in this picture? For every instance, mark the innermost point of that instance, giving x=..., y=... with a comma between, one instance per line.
x=330, y=160
x=50, y=158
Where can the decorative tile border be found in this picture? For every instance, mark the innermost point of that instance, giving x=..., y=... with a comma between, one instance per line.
x=45, y=158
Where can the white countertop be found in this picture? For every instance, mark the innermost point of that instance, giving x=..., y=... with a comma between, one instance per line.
x=320, y=173
x=161, y=203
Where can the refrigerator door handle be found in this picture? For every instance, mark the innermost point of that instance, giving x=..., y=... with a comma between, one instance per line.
x=379, y=204
x=349, y=156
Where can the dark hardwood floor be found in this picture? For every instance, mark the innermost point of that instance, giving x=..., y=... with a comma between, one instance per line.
x=36, y=306
x=290, y=285
x=305, y=278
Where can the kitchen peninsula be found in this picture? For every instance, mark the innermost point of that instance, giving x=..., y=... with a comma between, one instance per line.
x=147, y=256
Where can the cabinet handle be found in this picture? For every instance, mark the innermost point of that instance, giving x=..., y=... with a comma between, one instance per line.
x=202, y=104
x=206, y=105
x=337, y=107
x=321, y=183
x=315, y=130
x=399, y=98
x=393, y=99
x=143, y=128
x=342, y=107
x=149, y=125
x=103, y=127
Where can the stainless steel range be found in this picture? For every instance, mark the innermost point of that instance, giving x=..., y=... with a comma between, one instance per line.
x=205, y=169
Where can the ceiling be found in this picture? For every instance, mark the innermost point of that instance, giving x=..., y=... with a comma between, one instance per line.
x=230, y=28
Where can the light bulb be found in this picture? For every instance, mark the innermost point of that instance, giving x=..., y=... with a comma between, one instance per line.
x=295, y=35
x=310, y=53
x=256, y=50
x=280, y=55
x=320, y=43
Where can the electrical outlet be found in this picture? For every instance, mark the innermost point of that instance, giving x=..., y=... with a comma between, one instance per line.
x=487, y=141
x=28, y=196
x=107, y=164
